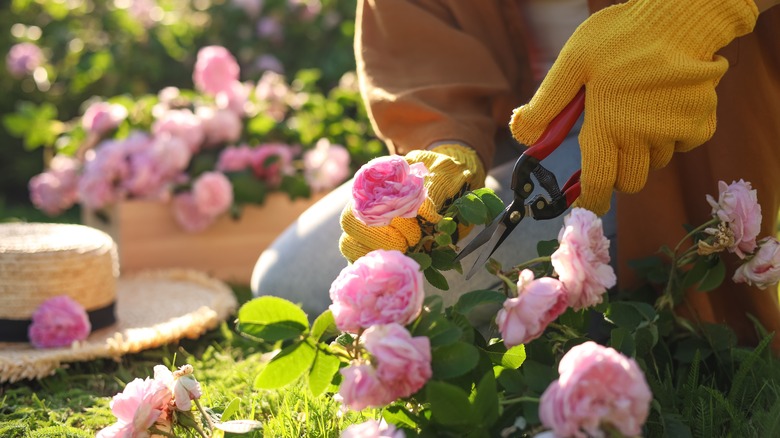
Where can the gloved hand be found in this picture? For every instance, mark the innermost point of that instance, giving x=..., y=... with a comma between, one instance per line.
x=451, y=168
x=650, y=71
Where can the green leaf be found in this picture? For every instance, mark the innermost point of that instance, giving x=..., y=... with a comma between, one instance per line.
x=468, y=301
x=511, y=358
x=324, y=325
x=247, y=189
x=696, y=273
x=399, y=416
x=471, y=209
x=545, y=248
x=721, y=337
x=443, y=239
x=436, y=279
x=443, y=259
x=486, y=400
x=450, y=405
x=261, y=124
x=422, y=259
x=231, y=409
x=295, y=186
x=630, y=314
x=272, y=319
x=622, y=341
x=287, y=366
x=442, y=332
x=453, y=360
x=447, y=225
x=538, y=376
x=494, y=204
x=714, y=276
x=322, y=371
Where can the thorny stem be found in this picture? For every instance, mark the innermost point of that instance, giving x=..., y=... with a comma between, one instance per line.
x=532, y=262
x=667, y=299
x=208, y=419
x=510, y=401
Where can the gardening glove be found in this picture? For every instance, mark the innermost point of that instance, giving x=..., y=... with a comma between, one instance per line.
x=452, y=168
x=650, y=71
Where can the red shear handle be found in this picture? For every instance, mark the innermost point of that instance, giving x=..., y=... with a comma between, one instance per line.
x=558, y=129
x=572, y=188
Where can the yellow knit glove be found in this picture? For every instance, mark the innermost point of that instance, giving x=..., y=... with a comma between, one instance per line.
x=650, y=71
x=452, y=168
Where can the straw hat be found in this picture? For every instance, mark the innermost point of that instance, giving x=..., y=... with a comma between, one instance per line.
x=128, y=314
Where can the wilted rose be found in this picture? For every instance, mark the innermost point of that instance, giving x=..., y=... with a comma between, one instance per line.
x=582, y=259
x=597, y=385
x=379, y=288
x=737, y=206
x=539, y=302
x=181, y=383
x=58, y=322
x=763, y=268
x=386, y=188
x=138, y=408
x=402, y=362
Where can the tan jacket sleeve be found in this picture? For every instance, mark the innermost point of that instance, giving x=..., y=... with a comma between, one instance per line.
x=430, y=72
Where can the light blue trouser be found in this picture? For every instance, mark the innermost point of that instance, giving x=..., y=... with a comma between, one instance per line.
x=303, y=261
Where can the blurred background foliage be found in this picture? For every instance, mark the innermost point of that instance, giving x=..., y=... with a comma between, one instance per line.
x=105, y=48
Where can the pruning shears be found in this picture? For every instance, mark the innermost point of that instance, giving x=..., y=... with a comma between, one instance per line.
x=540, y=207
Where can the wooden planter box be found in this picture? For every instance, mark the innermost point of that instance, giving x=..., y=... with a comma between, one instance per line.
x=148, y=236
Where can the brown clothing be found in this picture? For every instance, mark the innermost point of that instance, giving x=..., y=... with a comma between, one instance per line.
x=433, y=70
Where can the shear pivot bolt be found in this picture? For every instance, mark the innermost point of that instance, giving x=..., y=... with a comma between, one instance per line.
x=527, y=188
x=540, y=204
x=515, y=217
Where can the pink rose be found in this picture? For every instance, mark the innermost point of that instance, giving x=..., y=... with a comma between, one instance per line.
x=23, y=59
x=182, y=124
x=360, y=388
x=763, y=268
x=188, y=215
x=105, y=168
x=181, y=383
x=271, y=93
x=539, y=303
x=737, y=206
x=325, y=166
x=386, y=188
x=271, y=161
x=219, y=125
x=381, y=287
x=215, y=70
x=235, y=158
x=96, y=192
x=102, y=117
x=403, y=363
x=58, y=322
x=597, y=385
x=213, y=193
x=372, y=429
x=582, y=260
x=55, y=190
x=234, y=98
x=137, y=408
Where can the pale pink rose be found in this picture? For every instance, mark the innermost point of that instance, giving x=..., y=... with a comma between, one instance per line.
x=235, y=158
x=104, y=169
x=213, y=193
x=271, y=93
x=168, y=95
x=582, y=260
x=539, y=302
x=361, y=388
x=386, y=188
x=215, y=70
x=96, y=192
x=23, y=59
x=188, y=215
x=271, y=161
x=234, y=98
x=379, y=288
x=763, y=268
x=55, y=190
x=181, y=383
x=325, y=166
x=402, y=362
x=102, y=117
x=58, y=322
x=597, y=385
x=137, y=408
x=737, y=206
x=219, y=125
x=372, y=429
x=183, y=124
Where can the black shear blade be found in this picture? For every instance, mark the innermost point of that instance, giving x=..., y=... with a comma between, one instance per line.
x=499, y=234
x=480, y=239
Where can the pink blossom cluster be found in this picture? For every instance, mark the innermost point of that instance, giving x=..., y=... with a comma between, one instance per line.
x=372, y=429
x=211, y=196
x=55, y=190
x=326, y=166
x=398, y=366
x=386, y=188
x=597, y=386
x=101, y=117
x=581, y=263
x=150, y=402
x=23, y=58
x=269, y=162
x=58, y=322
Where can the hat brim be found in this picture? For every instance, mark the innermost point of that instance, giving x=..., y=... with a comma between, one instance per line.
x=153, y=308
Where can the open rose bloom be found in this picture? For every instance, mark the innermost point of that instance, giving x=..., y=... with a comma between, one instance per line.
x=539, y=302
x=386, y=188
x=737, y=206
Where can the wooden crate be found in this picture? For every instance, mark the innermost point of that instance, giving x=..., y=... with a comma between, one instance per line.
x=148, y=236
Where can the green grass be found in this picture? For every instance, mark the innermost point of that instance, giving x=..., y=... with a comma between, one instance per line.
x=75, y=401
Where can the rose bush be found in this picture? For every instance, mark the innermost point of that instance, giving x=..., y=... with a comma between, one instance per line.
x=563, y=357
